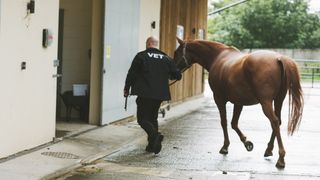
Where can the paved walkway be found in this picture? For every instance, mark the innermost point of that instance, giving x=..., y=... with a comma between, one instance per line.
x=85, y=148
x=192, y=142
x=73, y=152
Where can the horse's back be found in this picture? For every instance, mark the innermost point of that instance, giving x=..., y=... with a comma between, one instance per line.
x=262, y=55
x=262, y=62
x=229, y=79
x=263, y=70
x=247, y=79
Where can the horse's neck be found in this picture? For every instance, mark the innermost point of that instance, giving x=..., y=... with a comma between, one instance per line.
x=207, y=54
x=203, y=57
x=206, y=58
x=204, y=62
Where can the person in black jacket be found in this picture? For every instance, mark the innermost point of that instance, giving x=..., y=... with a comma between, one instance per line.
x=148, y=79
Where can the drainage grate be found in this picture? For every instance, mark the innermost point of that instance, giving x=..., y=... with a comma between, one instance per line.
x=62, y=155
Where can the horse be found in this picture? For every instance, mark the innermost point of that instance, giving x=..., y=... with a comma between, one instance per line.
x=246, y=79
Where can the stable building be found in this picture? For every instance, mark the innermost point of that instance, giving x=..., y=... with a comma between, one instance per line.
x=50, y=47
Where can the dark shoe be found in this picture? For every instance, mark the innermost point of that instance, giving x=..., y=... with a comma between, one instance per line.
x=156, y=148
x=149, y=148
x=150, y=144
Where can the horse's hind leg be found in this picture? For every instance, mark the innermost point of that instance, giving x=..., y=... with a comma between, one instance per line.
x=234, y=124
x=223, y=120
x=277, y=106
x=275, y=123
x=269, y=149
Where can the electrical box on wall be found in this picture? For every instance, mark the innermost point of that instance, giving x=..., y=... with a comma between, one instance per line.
x=47, y=38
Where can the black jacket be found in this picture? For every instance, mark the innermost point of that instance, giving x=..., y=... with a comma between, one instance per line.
x=149, y=74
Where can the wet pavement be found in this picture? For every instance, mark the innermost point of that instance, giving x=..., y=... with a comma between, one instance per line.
x=192, y=143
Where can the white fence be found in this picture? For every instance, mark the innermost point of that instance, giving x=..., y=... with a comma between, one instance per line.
x=294, y=53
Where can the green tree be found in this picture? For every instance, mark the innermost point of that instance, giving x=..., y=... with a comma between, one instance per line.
x=266, y=24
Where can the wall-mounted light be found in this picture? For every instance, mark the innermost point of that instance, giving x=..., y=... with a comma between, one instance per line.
x=30, y=6
x=194, y=30
x=153, y=25
x=23, y=65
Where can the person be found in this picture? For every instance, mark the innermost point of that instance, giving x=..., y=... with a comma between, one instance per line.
x=148, y=79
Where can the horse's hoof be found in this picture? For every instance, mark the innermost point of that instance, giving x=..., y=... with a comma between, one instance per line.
x=223, y=151
x=280, y=165
x=248, y=145
x=268, y=153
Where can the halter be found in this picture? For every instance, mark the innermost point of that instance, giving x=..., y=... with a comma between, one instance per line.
x=185, y=60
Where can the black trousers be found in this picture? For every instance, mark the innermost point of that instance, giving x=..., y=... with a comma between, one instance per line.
x=147, y=115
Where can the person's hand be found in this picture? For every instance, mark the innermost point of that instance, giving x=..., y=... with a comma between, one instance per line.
x=125, y=93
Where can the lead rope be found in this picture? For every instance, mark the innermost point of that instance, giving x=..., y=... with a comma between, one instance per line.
x=185, y=61
x=183, y=70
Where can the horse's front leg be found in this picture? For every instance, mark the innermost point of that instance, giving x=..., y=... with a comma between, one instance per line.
x=223, y=119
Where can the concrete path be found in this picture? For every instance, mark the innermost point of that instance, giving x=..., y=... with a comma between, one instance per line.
x=192, y=142
x=191, y=145
x=75, y=151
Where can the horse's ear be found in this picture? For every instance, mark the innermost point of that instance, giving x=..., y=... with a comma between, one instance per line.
x=179, y=41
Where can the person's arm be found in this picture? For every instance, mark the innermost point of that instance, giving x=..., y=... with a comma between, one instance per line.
x=175, y=74
x=132, y=74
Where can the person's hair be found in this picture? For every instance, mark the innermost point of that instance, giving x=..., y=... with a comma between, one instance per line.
x=152, y=42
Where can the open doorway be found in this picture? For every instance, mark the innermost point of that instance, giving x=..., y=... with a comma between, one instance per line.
x=74, y=53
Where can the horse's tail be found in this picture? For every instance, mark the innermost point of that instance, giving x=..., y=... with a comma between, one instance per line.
x=292, y=80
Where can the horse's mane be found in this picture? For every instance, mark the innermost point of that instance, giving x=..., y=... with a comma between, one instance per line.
x=217, y=45
x=207, y=51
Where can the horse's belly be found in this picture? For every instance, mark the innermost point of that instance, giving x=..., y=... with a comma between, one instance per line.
x=246, y=99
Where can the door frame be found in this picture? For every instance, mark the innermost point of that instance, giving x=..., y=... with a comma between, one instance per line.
x=60, y=59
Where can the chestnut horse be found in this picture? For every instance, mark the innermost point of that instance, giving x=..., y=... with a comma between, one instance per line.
x=246, y=79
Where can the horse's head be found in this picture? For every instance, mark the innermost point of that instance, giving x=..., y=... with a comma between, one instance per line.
x=182, y=59
x=198, y=51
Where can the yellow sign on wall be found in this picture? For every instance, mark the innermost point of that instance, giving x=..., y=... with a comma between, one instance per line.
x=108, y=52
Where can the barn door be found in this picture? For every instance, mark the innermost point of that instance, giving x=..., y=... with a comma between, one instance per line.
x=121, y=43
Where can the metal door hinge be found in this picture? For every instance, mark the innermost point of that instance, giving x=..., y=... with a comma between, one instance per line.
x=56, y=63
x=57, y=75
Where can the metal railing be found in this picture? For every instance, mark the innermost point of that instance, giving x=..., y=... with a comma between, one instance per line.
x=309, y=69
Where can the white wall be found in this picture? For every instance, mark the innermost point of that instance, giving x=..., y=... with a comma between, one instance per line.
x=27, y=98
x=149, y=12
